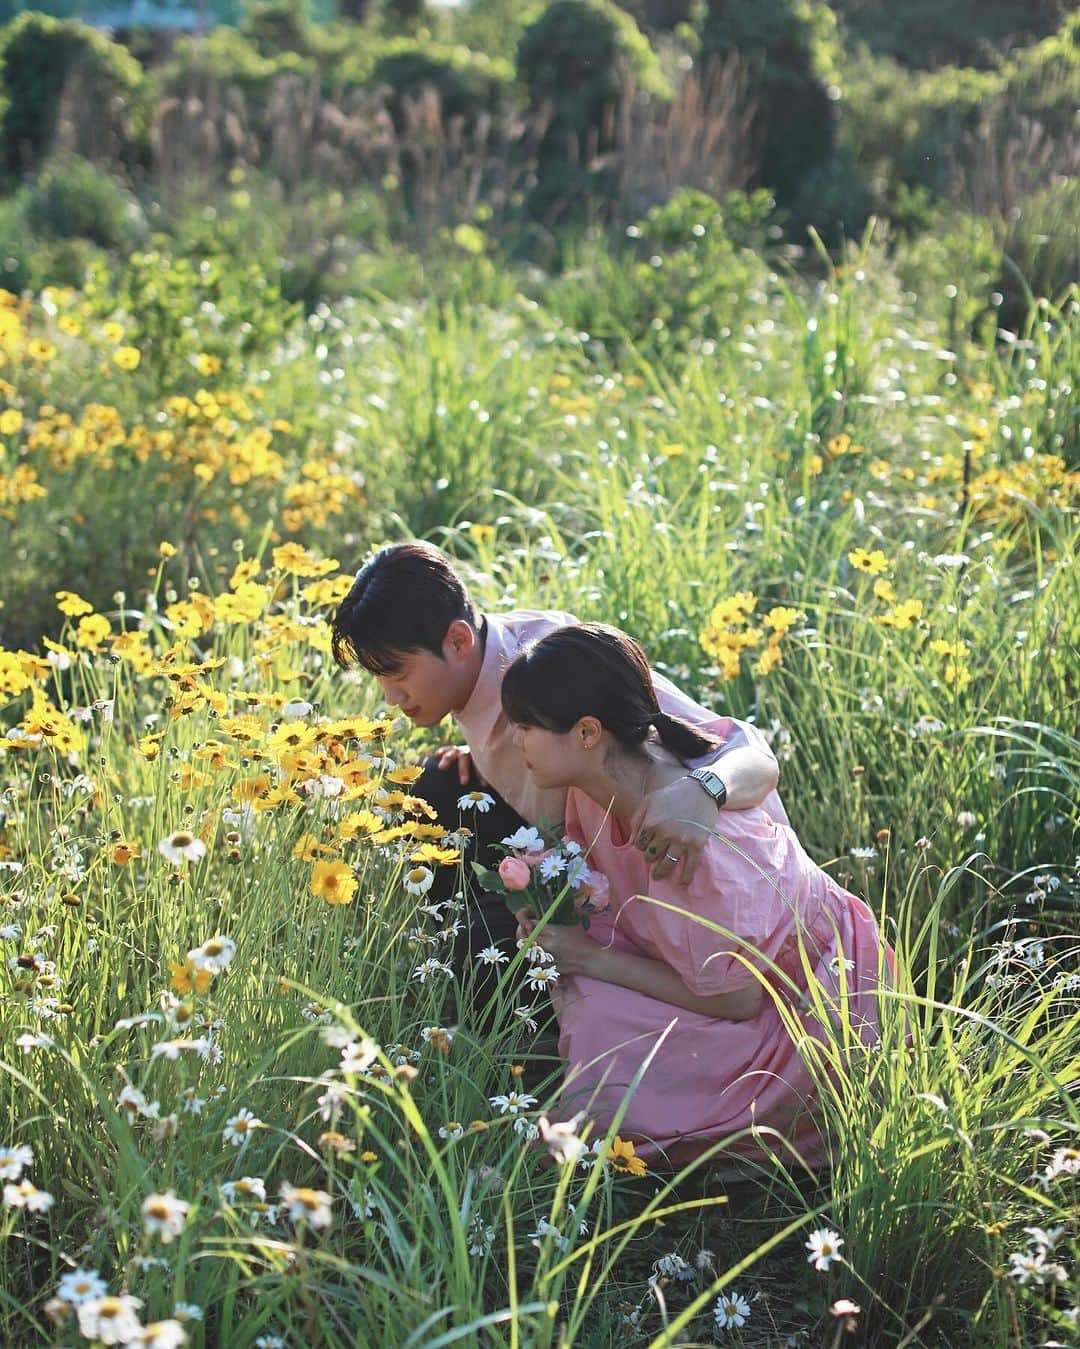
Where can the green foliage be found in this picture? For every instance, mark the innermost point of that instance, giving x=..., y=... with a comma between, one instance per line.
x=225, y=57
x=792, y=51
x=38, y=56
x=927, y=33
x=73, y=199
x=467, y=83
x=577, y=61
x=682, y=279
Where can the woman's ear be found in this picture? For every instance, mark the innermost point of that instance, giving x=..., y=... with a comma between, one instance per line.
x=588, y=731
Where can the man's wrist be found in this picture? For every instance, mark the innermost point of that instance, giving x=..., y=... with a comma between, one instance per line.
x=711, y=783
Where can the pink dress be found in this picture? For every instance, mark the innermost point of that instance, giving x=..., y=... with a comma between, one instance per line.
x=711, y=1078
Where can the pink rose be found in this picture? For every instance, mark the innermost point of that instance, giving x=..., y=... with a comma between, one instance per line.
x=515, y=873
x=596, y=886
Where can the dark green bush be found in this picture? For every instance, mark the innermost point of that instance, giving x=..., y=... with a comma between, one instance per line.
x=928, y=33
x=467, y=83
x=38, y=57
x=578, y=61
x=1042, y=248
x=792, y=52
x=73, y=199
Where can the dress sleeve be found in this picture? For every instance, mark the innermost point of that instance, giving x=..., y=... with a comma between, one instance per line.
x=738, y=914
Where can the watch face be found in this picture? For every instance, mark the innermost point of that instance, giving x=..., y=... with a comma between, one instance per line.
x=709, y=780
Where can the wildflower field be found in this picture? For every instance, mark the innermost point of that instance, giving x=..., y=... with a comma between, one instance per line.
x=238, y=1107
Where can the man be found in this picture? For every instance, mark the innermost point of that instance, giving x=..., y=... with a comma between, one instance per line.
x=409, y=621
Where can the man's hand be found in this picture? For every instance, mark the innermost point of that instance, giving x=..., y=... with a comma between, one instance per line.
x=446, y=756
x=672, y=826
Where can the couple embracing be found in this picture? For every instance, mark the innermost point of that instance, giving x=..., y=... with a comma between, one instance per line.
x=705, y=978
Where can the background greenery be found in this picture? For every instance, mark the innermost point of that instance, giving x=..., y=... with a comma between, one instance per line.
x=785, y=308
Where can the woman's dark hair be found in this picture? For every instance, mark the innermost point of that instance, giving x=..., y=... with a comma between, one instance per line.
x=593, y=670
x=403, y=600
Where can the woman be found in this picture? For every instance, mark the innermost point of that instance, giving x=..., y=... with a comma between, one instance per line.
x=708, y=1012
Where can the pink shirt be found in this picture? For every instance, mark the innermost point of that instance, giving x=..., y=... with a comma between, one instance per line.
x=490, y=735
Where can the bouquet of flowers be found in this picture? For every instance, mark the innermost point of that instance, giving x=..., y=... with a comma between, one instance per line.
x=537, y=874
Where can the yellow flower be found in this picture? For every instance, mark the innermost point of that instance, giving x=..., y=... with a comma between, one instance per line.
x=295, y=559
x=11, y=420
x=206, y=364
x=405, y=777
x=125, y=851
x=884, y=591
x=958, y=674
x=873, y=563
x=333, y=881
x=481, y=533
x=838, y=445
x=306, y=848
x=672, y=451
x=166, y=549
x=127, y=358
x=73, y=605
x=357, y=823
x=186, y=977
x=112, y=332
x=40, y=350
x=428, y=852
x=780, y=618
x=902, y=615
x=735, y=609
x=623, y=1158
x=92, y=631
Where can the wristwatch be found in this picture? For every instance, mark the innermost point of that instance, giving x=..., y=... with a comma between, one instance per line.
x=715, y=786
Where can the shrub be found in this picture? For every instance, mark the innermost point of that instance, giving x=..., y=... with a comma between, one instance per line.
x=225, y=58
x=577, y=61
x=467, y=83
x=72, y=199
x=39, y=56
x=927, y=33
x=791, y=49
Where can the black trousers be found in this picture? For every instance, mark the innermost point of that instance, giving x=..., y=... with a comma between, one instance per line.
x=487, y=920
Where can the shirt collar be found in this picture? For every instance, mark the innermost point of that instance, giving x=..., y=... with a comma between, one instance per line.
x=484, y=707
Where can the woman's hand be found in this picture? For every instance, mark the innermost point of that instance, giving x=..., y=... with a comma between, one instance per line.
x=574, y=950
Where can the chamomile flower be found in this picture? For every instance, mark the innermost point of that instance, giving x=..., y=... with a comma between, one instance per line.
x=238, y=1129
x=182, y=846
x=163, y=1335
x=481, y=802
x=541, y=977
x=308, y=1206
x=491, y=955
x=419, y=880
x=13, y=1159
x=358, y=1056
x=27, y=1195
x=164, y=1216
x=512, y=1103
x=427, y=969
x=731, y=1311
x=80, y=1285
x=247, y=1187
x=824, y=1247
x=452, y=1129
x=110, y=1320
x=213, y=955
x=551, y=866
x=481, y=1237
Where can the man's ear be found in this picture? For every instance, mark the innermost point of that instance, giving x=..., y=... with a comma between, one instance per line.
x=588, y=731
x=459, y=640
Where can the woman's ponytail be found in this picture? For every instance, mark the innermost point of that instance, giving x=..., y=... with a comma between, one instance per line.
x=682, y=737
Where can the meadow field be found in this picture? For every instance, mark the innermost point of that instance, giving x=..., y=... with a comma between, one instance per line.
x=238, y=1108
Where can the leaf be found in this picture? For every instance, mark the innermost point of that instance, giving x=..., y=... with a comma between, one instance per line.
x=490, y=879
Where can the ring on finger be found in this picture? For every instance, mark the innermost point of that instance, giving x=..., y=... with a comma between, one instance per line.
x=671, y=857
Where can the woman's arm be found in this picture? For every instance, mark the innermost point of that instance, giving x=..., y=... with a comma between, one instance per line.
x=575, y=952
x=658, y=980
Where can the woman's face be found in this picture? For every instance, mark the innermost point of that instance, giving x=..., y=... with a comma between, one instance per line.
x=553, y=759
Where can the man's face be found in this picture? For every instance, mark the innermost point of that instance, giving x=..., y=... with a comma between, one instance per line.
x=425, y=688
